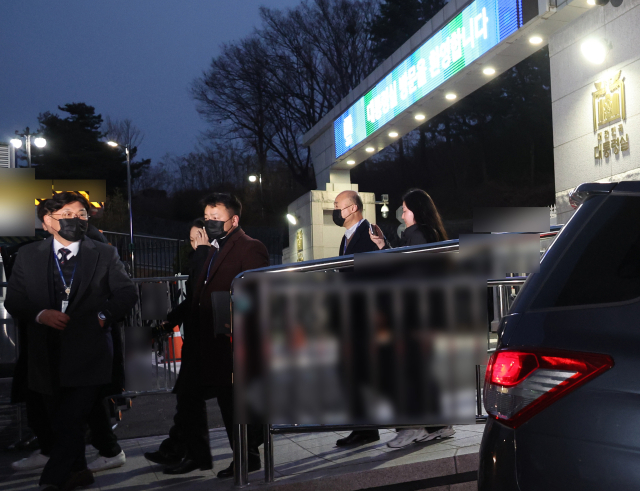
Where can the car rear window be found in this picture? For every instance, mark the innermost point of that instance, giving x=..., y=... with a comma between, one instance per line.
x=600, y=263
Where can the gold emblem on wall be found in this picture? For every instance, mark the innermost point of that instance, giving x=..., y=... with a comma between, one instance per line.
x=299, y=245
x=609, y=106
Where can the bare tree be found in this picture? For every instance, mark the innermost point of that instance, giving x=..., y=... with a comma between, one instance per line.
x=275, y=85
x=124, y=132
x=232, y=96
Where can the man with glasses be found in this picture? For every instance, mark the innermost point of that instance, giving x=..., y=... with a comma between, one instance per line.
x=110, y=454
x=69, y=290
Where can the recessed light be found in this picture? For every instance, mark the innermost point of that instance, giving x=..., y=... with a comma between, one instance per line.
x=370, y=149
x=351, y=162
x=419, y=117
x=489, y=71
x=393, y=134
x=535, y=39
x=450, y=96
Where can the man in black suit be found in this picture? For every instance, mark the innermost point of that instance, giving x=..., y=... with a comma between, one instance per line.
x=207, y=356
x=347, y=213
x=103, y=438
x=68, y=290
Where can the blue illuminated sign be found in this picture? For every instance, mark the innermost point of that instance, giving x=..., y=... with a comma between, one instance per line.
x=473, y=32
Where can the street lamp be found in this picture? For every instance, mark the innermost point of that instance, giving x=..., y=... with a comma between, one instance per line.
x=254, y=178
x=115, y=144
x=38, y=141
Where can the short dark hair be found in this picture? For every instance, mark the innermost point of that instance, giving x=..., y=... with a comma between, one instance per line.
x=40, y=210
x=229, y=201
x=198, y=223
x=59, y=200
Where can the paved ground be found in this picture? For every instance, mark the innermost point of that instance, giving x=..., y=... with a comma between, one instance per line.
x=302, y=462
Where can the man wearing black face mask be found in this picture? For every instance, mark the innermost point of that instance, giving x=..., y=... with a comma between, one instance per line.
x=68, y=289
x=347, y=213
x=207, y=357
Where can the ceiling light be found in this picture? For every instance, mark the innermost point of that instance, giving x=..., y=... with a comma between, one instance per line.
x=370, y=149
x=594, y=50
x=450, y=96
x=393, y=134
x=489, y=71
x=351, y=162
x=535, y=39
x=16, y=142
x=419, y=117
x=591, y=2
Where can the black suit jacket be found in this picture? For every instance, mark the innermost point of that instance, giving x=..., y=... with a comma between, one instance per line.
x=361, y=242
x=214, y=352
x=86, y=349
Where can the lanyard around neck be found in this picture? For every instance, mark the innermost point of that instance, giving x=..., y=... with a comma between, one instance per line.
x=67, y=289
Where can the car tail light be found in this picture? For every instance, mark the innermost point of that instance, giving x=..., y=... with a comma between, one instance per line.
x=520, y=383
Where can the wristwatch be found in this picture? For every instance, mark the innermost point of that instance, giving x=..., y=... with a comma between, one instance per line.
x=101, y=316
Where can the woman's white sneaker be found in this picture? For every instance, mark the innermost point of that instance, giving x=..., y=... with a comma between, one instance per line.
x=442, y=433
x=34, y=461
x=104, y=463
x=407, y=437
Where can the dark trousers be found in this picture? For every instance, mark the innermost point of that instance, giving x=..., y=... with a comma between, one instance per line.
x=68, y=411
x=189, y=436
x=38, y=421
x=102, y=436
x=255, y=436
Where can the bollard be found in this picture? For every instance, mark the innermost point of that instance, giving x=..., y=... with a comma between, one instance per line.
x=268, y=454
x=240, y=456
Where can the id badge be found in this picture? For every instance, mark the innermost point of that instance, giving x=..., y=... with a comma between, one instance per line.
x=65, y=304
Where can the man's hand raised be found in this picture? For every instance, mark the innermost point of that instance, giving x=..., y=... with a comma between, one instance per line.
x=55, y=319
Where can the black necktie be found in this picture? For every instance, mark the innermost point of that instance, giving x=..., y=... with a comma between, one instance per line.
x=63, y=255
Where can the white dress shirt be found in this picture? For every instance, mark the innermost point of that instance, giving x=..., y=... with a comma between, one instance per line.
x=352, y=230
x=74, y=247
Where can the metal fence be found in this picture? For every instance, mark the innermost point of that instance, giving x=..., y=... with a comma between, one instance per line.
x=504, y=293
x=153, y=256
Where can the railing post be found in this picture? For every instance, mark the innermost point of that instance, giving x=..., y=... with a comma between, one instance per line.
x=240, y=456
x=268, y=454
x=478, y=391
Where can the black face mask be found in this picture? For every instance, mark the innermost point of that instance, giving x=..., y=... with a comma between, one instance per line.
x=337, y=217
x=215, y=229
x=73, y=229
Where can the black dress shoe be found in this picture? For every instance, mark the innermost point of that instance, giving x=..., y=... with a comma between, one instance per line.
x=254, y=465
x=187, y=465
x=78, y=479
x=359, y=438
x=162, y=457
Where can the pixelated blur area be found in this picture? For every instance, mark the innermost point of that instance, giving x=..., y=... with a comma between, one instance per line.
x=18, y=192
x=502, y=254
x=155, y=301
x=394, y=342
x=511, y=219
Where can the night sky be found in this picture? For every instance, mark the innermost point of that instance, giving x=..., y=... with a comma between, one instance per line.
x=128, y=58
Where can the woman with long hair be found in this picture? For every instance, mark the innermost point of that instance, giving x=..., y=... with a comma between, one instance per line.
x=422, y=219
x=424, y=225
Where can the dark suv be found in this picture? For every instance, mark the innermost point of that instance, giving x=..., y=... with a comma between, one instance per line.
x=563, y=388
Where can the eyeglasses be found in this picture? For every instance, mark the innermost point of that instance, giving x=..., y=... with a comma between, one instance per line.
x=83, y=215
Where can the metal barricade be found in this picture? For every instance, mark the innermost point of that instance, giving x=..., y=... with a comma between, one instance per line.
x=505, y=291
x=156, y=297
